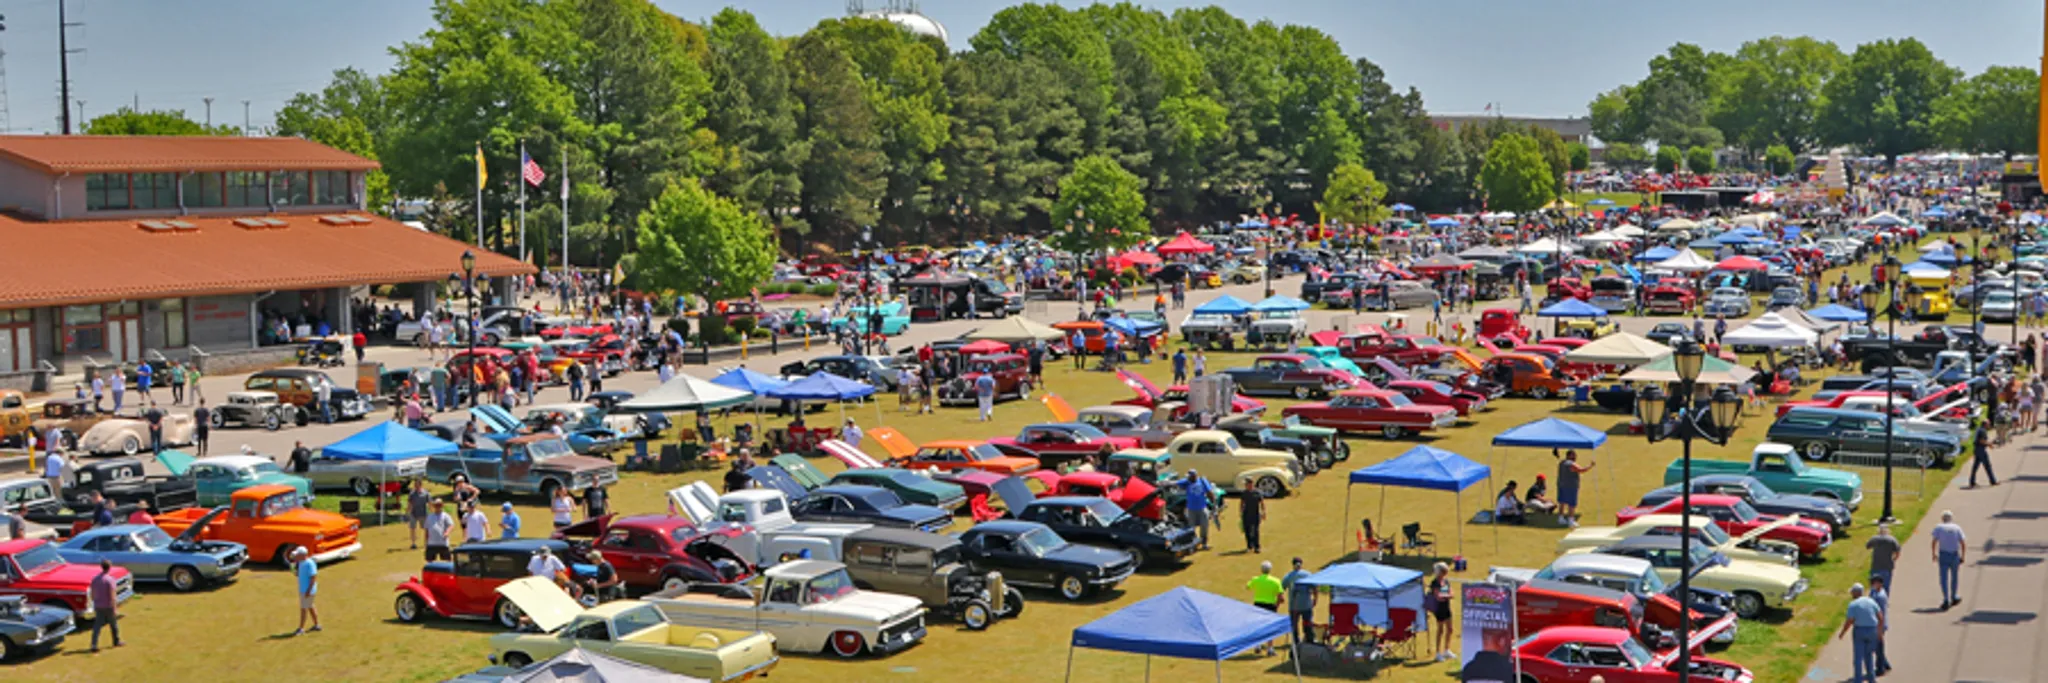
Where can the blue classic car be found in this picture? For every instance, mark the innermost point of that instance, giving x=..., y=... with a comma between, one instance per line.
x=853, y=504
x=1823, y=433
x=583, y=424
x=893, y=319
x=152, y=555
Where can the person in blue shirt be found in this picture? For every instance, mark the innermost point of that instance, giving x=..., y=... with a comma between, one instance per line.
x=309, y=584
x=1883, y=597
x=1301, y=603
x=985, y=395
x=508, y=525
x=1180, y=366
x=144, y=377
x=1197, y=491
x=1866, y=618
x=1078, y=345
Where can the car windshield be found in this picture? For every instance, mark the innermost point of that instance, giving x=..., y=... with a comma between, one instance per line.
x=543, y=449
x=732, y=512
x=1085, y=432
x=829, y=586
x=1440, y=387
x=1398, y=400
x=1713, y=535
x=982, y=451
x=1652, y=582
x=1040, y=542
x=258, y=470
x=152, y=538
x=1744, y=513
x=38, y=559
x=1105, y=512
x=1637, y=656
x=638, y=619
x=280, y=503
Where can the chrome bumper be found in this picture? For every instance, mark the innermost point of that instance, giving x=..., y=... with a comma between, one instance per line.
x=343, y=552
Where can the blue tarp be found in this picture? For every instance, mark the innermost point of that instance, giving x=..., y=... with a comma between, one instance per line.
x=1732, y=238
x=1942, y=258
x=748, y=380
x=1425, y=467
x=1747, y=231
x=1280, y=302
x=1442, y=222
x=1936, y=212
x=823, y=386
x=1603, y=201
x=389, y=441
x=1924, y=265
x=1655, y=254
x=1226, y=304
x=1572, y=308
x=1133, y=327
x=1401, y=206
x=1839, y=314
x=1184, y=623
x=1551, y=432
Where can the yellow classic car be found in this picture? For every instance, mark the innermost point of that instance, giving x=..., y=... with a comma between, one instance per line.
x=631, y=630
x=1753, y=585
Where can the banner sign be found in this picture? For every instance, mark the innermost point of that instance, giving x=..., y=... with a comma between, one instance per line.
x=1488, y=616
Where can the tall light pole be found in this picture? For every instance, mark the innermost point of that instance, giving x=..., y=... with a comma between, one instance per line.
x=1684, y=425
x=1888, y=276
x=469, y=287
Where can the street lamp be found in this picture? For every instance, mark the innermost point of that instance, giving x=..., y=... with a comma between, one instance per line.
x=1662, y=423
x=1888, y=274
x=469, y=288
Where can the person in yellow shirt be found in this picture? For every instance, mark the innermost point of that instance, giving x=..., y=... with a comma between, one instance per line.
x=1266, y=593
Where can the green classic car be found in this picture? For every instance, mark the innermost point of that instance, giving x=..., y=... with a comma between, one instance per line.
x=913, y=488
x=217, y=478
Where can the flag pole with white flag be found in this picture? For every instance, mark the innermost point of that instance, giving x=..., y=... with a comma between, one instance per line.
x=565, y=212
x=523, y=161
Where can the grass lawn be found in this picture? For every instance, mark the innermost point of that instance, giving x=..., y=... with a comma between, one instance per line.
x=240, y=632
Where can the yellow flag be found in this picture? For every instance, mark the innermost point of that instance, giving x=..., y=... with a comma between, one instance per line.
x=481, y=177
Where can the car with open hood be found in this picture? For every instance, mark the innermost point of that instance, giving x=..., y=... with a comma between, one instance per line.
x=1033, y=555
x=957, y=455
x=1055, y=443
x=1753, y=586
x=29, y=628
x=1101, y=522
x=1737, y=518
x=912, y=487
x=631, y=630
x=1577, y=654
x=1634, y=576
x=150, y=555
x=465, y=586
x=663, y=551
x=583, y=425
x=1749, y=546
x=1762, y=497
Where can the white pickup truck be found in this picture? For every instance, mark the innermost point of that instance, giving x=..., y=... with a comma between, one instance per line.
x=764, y=511
x=808, y=605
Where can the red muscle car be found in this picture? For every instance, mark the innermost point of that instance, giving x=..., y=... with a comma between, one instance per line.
x=1132, y=494
x=1735, y=516
x=1543, y=604
x=1670, y=299
x=1053, y=443
x=663, y=552
x=1498, y=323
x=604, y=353
x=1575, y=654
x=1428, y=393
x=34, y=570
x=1389, y=413
x=950, y=456
x=1556, y=355
x=1403, y=349
x=585, y=331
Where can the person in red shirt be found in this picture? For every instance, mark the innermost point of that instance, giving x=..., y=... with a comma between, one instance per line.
x=360, y=341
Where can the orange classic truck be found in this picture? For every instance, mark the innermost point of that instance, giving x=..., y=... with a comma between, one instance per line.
x=272, y=520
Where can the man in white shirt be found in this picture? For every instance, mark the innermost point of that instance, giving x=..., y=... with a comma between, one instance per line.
x=545, y=565
x=851, y=434
x=474, y=525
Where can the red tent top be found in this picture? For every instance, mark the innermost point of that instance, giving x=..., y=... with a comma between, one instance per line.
x=1186, y=244
x=985, y=347
x=1740, y=263
x=1138, y=258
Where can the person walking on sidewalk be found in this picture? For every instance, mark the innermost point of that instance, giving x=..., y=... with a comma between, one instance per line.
x=1867, y=620
x=1883, y=597
x=1950, y=547
x=1981, y=458
x=1884, y=554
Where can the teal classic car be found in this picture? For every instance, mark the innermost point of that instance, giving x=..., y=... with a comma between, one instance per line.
x=895, y=319
x=1333, y=358
x=912, y=487
x=217, y=478
x=1778, y=466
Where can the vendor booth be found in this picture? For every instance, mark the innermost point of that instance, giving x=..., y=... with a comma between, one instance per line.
x=1183, y=623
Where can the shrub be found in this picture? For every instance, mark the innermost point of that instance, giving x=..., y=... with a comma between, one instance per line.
x=827, y=289
x=744, y=326
x=713, y=330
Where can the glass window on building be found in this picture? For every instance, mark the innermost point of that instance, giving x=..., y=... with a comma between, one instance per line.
x=155, y=191
x=333, y=188
x=106, y=192
x=248, y=188
x=203, y=190
x=173, y=311
x=294, y=188
x=85, y=329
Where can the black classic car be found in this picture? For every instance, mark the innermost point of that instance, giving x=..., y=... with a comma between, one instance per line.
x=124, y=481
x=27, y=628
x=1822, y=433
x=1031, y=554
x=1100, y=522
x=857, y=368
x=1761, y=497
x=931, y=568
x=867, y=505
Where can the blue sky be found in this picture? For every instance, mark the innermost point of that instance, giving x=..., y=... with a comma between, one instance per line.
x=1537, y=58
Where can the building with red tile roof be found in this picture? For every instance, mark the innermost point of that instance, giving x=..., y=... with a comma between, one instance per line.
x=119, y=246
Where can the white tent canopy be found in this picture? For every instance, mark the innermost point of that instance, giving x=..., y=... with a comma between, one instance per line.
x=686, y=393
x=1687, y=261
x=1677, y=224
x=1545, y=246
x=1798, y=317
x=1771, y=331
x=1601, y=237
x=1629, y=230
x=1621, y=348
x=1885, y=218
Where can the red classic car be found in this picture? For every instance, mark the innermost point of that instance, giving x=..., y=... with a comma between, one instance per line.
x=1011, y=372
x=1576, y=654
x=1568, y=288
x=664, y=552
x=33, y=569
x=1543, y=604
x=577, y=330
x=1670, y=299
x=949, y=456
x=1498, y=323
x=1389, y=413
x=1149, y=395
x=1571, y=344
x=1132, y=494
x=1428, y=393
x=1053, y=443
x=1735, y=516
x=1403, y=349
x=604, y=353
x=1528, y=374
x=466, y=587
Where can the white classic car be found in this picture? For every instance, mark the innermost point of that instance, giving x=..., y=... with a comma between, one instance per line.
x=129, y=436
x=808, y=605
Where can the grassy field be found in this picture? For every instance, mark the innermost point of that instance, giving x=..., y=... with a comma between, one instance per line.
x=240, y=632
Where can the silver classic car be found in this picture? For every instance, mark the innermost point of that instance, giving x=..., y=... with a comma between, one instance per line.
x=364, y=477
x=149, y=554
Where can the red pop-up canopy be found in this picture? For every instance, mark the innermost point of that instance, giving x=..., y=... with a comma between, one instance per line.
x=1740, y=263
x=1186, y=244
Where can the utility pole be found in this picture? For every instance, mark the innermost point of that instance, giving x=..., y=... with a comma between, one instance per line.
x=64, y=52
x=209, y=111
x=6, y=117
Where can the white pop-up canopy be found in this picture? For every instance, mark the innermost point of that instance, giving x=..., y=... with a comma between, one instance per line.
x=1620, y=348
x=1546, y=246
x=1771, y=331
x=1687, y=261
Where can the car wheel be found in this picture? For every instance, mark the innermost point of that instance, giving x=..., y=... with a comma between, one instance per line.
x=1539, y=392
x=284, y=555
x=976, y=615
x=547, y=489
x=70, y=441
x=272, y=422
x=419, y=338
x=362, y=487
x=1311, y=464
x=1072, y=588
x=848, y=644
x=674, y=582
x=1391, y=432
x=217, y=419
x=517, y=660
x=1270, y=487
x=6, y=649
x=1923, y=458
x=1301, y=393
x=131, y=445
x=408, y=607
x=300, y=417
x=1748, y=604
x=507, y=615
x=184, y=579
x=1013, y=603
x=1138, y=555
x=1325, y=459
x=1815, y=451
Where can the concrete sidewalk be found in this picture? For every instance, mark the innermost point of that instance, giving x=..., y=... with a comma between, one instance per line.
x=1996, y=633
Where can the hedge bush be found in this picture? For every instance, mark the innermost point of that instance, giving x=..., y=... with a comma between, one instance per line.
x=713, y=330
x=827, y=289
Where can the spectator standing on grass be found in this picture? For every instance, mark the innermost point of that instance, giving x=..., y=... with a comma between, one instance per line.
x=508, y=521
x=438, y=525
x=1950, y=549
x=1266, y=593
x=985, y=395
x=1438, y=600
x=1180, y=366
x=104, y=604
x=1568, y=471
x=416, y=511
x=563, y=506
x=1196, y=492
x=1251, y=507
x=1301, y=603
x=309, y=585
x=1884, y=554
x=1201, y=362
x=474, y=525
x=1866, y=619
x=596, y=502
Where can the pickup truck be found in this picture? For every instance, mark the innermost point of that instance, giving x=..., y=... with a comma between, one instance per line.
x=1918, y=351
x=363, y=478
x=1211, y=330
x=124, y=481
x=271, y=520
x=1777, y=466
x=929, y=567
x=1217, y=454
x=808, y=605
x=35, y=570
x=1278, y=327
x=631, y=630
x=534, y=463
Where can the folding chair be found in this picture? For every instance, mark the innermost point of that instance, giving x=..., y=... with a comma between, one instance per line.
x=1415, y=539
x=1372, y=546
x=1343, y=629
x=1400, y=634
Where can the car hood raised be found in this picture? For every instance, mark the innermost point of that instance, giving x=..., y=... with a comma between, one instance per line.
x=542, y=601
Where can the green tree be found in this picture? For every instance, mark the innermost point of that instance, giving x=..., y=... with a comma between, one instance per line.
x=1318, y=101
x=1391, y=127
x=1014, y=133
x=1555, y=154
x=1626, y=156
x=843, y=181
x=348, y=115
x=1994, y=112
x=1515, y=176
x=1882, y=100
x=1106, y=205
x=1700, y=160
x=1772, y=92
x=1609, y=116
x=637, y=81
x=1778, y=159
x=1353, y=196
x=1671, y=104
x=691, y=240
x=1669, y=159
x=902, y=77
x=753, y=111
x=127, y=121
x=1581, y=156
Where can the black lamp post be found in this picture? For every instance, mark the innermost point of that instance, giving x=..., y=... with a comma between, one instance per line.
x=1662, y=423
x=1888, y=275
x=469, y=289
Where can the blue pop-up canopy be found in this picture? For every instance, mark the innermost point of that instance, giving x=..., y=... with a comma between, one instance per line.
x=1132, y=326
x=1839, y=314
x=1924, y=265
x=388, y=441
x=1401, y=206
x=1226, y=304
x=1551, y=432
x=1443, y=222
x=1655, y=254
x=1732, y=238
x=1280, y=302
x=823, y=386
x=1373, y=587
x=1185, y=623
x=748, y=380
x=1942, y=257
x=1936, y=212
x=1423, y=467
x=1572, y=308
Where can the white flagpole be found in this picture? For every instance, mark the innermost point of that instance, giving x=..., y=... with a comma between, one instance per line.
x=565, y=211
x=522, y=200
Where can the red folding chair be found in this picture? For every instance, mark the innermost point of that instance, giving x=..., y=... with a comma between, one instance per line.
x=1400, y=634
x=1343, y=626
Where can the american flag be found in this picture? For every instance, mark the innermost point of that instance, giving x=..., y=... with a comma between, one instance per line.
x=530, y=171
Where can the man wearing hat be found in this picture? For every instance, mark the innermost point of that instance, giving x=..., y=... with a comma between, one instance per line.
x=309, y=584
x=508, y=523
x=545, y=564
